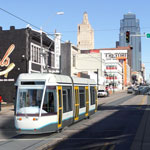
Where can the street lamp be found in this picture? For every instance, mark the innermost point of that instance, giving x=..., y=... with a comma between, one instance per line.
x=60, y=13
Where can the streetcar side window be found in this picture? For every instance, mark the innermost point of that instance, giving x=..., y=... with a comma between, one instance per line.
x=67, y=97
x=59, y=95
x=92, y=93
x=65, y=100
x=49, y=104
x=82, y=96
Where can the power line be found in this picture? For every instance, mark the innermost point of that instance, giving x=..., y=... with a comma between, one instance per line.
x=98, y=30
x=23, y=20
x=19, y=18
x=146, y=62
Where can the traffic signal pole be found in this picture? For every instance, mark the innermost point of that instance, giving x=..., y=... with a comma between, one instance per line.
x=128, y=36
x=140, y=35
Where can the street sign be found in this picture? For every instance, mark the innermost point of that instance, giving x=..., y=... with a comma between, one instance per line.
x=148, y=35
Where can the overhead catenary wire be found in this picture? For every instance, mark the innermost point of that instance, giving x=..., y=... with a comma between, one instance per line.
x=19, y=18
x=52, y=35
x=27, y=22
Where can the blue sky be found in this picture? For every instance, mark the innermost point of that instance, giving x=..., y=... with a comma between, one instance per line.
x=104, y=17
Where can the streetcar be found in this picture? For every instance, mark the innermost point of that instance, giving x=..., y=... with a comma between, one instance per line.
x=48, y=102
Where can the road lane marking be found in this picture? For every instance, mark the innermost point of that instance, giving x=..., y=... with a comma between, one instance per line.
x=141, y=133
x=142, y=102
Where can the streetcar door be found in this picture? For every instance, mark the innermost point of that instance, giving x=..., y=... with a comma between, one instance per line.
x=60, y=110
x=87, y=100
x=96, y=99
x=76, y=88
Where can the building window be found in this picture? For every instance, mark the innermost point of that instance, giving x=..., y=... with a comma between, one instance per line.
x=79, y=28
x=74, y=60
x=52, y=59
x=39, y=55
x=35, y=53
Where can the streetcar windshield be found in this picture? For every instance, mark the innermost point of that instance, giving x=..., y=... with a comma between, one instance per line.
x=29, y=101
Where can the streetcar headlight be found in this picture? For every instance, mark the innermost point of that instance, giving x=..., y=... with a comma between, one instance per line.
x=19, y=119
x=35, y=119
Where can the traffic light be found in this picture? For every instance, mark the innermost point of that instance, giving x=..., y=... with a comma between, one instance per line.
x=127, y=36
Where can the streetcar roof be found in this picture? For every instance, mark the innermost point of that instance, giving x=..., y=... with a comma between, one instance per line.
x=46, y=77
x=52, y=78
x=85, y=81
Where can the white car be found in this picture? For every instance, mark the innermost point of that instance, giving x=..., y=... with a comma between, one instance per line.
x=130, y=90
x=102, y=93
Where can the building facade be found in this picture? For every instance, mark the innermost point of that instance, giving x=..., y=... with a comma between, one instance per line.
x=143, y=72
x=114, y=75
x=93, y=65
x=131, y=24
x=85, y=36
x=68, y=59
x=23, y=51
x=120, y=55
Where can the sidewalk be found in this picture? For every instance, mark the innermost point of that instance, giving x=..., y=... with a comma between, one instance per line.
x=7, y=109
x=115, y=92
x=112, y=97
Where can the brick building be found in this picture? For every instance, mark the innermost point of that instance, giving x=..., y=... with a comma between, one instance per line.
x=23, y=51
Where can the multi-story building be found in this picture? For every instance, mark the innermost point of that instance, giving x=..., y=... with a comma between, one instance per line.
x=114, y=75
x=123, y=55
x=85, y=37
x=131, y=24
x=93, y=65
x=113, y=55
x=24, y=51
x=68, y=59
x=137, y=78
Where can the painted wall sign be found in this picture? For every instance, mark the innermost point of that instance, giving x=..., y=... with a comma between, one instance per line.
x=113, y=54
x=5, y=62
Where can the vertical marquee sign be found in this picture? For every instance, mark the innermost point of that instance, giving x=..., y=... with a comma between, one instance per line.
x=57, y=50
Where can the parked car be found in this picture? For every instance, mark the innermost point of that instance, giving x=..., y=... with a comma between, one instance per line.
x=102, y=93
x=148, y=93
x=135, y=88
x=130, y=89
x=143, y=90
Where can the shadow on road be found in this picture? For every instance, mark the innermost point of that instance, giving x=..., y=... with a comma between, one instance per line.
x=115, y=132
x=7, y=128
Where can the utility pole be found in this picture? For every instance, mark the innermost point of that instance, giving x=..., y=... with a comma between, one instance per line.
x=41, y=41
x=97, y=78
x=113, y=83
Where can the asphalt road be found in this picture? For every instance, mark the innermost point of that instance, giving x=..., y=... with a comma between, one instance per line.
x=122, y=122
